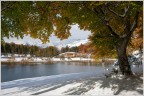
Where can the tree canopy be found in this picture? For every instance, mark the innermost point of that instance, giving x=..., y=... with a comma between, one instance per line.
x=41, y=19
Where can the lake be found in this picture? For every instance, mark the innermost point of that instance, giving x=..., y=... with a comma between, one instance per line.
x=18, y=71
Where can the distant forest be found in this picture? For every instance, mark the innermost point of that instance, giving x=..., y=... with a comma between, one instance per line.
x=50, y=51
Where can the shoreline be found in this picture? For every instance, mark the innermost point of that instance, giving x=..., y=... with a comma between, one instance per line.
x=88, y=83
x=51, y=60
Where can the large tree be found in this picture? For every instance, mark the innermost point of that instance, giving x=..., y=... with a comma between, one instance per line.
x=111, y=23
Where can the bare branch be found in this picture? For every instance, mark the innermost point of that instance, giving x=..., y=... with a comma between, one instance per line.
x=105, y=36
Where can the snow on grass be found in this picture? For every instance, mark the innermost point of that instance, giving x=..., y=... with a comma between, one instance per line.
x=61, y=90
x=50, y=79
x=99, y=91
x=73, y=59
x=25, y=85
x=41, y=59
x=85, y=83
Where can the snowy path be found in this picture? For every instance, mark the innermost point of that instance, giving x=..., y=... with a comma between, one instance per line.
x=86, y=83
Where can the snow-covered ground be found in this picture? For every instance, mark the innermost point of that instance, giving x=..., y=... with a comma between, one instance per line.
x=28, y=58
x=39, y=59
x=86, y=83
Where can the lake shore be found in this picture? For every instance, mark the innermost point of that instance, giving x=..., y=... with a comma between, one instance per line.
x=49, y=60
x=76, y=84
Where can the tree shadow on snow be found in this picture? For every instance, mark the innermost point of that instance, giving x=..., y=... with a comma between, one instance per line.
x=116, y=84
x=128, y=84
x=84, y=87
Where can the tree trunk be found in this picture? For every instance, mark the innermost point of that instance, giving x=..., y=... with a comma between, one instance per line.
x=122, y=56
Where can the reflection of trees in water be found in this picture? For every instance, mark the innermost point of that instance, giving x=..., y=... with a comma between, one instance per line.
x=84, y=63
x=8, y=64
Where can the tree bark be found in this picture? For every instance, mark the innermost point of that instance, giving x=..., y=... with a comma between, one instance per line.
x=122, y=56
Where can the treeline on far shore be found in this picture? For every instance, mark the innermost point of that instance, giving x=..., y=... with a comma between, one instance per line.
x=50, y=51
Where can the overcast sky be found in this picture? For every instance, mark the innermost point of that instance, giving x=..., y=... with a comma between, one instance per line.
x=76, y=33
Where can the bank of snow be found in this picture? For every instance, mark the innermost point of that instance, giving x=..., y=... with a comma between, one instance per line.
x=42, y=59
x=35, y=85
x=86, y=83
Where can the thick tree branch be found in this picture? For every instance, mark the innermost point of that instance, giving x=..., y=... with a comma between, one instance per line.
x=99, y=36
x=112, y=31
x=123, y=15
x=106, y=22
x=102, y=19
x=134, y=25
